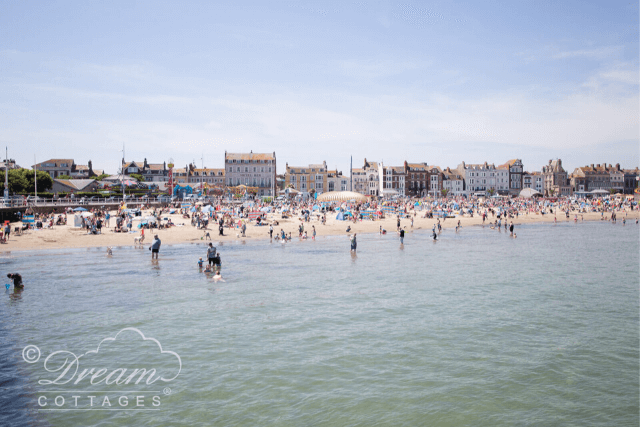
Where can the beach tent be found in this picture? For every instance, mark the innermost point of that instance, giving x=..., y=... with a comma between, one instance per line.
x=266, y=209
x=340, y=216
x=77, y=219
x=341, y=196
x=529, y=193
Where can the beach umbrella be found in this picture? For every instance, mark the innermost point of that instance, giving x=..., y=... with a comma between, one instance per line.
x=266, y=209
x=79, y=209
x=193, y=209
x=207, y=208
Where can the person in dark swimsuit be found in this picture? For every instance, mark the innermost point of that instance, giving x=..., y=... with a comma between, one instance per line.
x=17, y=280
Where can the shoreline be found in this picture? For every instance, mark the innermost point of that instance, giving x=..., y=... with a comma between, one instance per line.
x=68, y=237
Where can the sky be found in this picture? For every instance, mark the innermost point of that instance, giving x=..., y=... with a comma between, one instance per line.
x=439, y=82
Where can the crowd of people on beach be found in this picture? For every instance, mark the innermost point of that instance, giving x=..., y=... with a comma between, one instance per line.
x=497, y=213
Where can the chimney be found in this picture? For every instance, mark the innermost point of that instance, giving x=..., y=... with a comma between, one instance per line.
x=617, y=166
x=592, y=166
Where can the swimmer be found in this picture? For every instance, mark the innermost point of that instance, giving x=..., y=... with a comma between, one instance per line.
x=17, y=280
x=109, y=251
x=208, y=269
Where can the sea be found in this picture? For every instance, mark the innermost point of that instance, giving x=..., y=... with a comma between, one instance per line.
x=475, y=329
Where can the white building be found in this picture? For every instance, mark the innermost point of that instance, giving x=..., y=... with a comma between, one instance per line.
x=479, y=178
x=251, y=169
x=502, y=179
x=336, y=181
x=453, y=182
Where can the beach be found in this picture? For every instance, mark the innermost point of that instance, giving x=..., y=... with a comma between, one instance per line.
x=68, y=236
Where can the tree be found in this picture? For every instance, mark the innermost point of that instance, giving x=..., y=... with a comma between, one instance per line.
x=491, y=191
x=22, y=181
x=551, y=191
x=137, y=177
x=444, y=192
x=64, y=177
x=101, y=177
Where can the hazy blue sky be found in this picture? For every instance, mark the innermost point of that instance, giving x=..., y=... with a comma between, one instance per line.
x=440, y=82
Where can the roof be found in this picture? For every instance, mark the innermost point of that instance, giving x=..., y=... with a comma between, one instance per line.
x=155, y=166
x=56, y=161
x=510, y=163
x=249, y=156
x=417, y=165
x=207, y=170
x=77, y=184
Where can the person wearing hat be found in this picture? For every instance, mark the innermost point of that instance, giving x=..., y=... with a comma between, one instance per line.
x=155, y=247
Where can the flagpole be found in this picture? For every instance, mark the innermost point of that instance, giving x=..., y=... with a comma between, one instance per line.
x=35, y=178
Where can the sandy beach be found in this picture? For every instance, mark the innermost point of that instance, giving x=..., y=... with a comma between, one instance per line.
x=67, y=236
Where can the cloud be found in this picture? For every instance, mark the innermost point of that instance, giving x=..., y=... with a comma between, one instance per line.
x=596, y=53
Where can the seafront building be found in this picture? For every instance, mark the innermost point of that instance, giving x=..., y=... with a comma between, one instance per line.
x=478, y=178
x=417, y=179
x=556, y=182
x=312, y=179
x=393, y=181
x=151, y=172
x=452, y=182
x=67, y=167
x=252, y=170
x=258, y=170
x=336, y=181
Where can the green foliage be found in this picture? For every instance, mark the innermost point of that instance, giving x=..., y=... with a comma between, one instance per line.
x=64, y=177
x=22, y=180
x=137, y=177
x=491, y=191
x=101, y=177
x=444, y=192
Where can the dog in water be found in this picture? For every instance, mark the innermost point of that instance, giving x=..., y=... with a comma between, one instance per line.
x=137, y=241
x=109, y=251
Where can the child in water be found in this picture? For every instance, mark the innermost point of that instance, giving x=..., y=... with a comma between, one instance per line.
x=200, y=262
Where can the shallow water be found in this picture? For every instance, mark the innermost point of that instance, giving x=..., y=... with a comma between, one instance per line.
x=475, y=329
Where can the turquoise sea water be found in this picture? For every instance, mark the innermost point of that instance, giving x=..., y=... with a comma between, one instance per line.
x=477, y=329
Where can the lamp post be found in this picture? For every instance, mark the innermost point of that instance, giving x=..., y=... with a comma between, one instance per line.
x=6, y=177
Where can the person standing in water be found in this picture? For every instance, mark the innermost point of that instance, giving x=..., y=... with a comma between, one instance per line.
x=354, y=242
x=155, y=247
x=211, y=253
x=401, y=232
x=17, y=280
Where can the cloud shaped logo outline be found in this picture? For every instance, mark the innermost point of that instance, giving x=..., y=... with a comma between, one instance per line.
x=144, y=339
